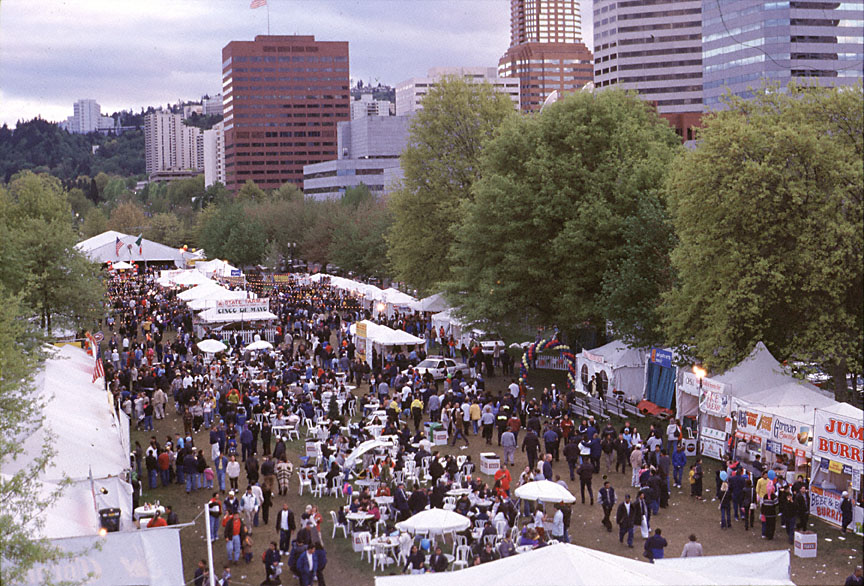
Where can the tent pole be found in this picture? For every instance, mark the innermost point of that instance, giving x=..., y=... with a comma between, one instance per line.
x=212, y=572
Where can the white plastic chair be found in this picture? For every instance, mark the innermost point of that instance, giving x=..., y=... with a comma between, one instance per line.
x=381, y=558
x=305, y=479
x=338, y=525
x=319, y=487
x=463, y=557
x=458, y=541
x=293, y=433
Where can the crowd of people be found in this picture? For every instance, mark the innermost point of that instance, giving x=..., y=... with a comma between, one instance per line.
x=246, y=400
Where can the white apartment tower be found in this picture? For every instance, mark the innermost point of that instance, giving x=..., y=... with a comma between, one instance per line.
x=214, y=155
x=409, y=93
x=170, y=145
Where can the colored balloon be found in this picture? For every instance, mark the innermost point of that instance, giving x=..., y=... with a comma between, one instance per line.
x=723, y=476
x=772, y=475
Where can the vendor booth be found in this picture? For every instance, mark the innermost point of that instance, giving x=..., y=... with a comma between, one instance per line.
x=620, y=370
x=369, y=337
x=838, y=441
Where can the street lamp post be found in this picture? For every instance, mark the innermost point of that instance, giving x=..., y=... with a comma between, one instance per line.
x=700, y=375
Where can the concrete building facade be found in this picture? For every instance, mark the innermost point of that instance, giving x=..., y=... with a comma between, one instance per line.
x=410, y=93
x=369, y=150
x=87, y=118
x=367, y=105
x=546, y=51
x=282, y=99
x=214, y=155
x=170, y=145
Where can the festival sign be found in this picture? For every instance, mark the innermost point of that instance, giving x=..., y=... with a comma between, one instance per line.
x=825, y=504
x=839, y=438
x=713, y=402
x=691, y=384
x=241, y=306
x=662, y=357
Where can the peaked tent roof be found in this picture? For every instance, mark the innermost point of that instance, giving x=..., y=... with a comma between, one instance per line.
x=388, y=337
x=758, y=568
x=102, y=248
x=620, y=355
x=433, y=303
x=758, y=372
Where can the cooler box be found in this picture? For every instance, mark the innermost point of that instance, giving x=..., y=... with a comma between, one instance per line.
x=439, y=437
x=805, y=544
x=357, y=540
x=110, y=519
x=490, y=463
x=689, y=446
x=312, y=449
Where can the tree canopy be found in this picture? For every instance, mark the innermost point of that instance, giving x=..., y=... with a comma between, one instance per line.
x=769, y=211
x=558, y=196
x=440, y=166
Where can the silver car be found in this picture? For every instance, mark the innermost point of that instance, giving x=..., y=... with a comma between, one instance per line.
x=440, y=367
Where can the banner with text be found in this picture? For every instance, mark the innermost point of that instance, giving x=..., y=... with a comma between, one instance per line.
x=839, y=438
x=242, y=306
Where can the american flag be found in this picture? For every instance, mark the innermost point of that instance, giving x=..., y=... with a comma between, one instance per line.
x=98, y=368
x=117, y=246
x=258, y=3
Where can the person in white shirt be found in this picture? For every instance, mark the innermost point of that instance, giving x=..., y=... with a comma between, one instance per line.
x=248, y=507
x=514, y=389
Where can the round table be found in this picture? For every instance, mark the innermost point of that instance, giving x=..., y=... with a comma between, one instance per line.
x=388, y=542
x=147, y=512
x=458, y=491
x=356, y=518
x=483, y=503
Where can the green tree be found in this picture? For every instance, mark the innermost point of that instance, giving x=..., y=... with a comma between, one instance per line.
x=441, y=166
x=250, y=192
x=550, y=212
x=769, y=211
x=227, y=231
x=358, y=244
x=128, y=218
x=165, y=228
x=95, y=223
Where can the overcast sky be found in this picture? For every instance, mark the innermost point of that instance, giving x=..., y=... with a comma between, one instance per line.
x=133, y=53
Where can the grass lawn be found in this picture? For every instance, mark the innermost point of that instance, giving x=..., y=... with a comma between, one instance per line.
x=836, y=559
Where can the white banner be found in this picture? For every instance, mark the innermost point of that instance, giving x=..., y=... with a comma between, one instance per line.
x=756, y=422
x=690, y=384
x=839, y=438
x=237, y=306
x=713, y=402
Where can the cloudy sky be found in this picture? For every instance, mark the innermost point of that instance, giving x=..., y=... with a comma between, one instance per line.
x=133, y=53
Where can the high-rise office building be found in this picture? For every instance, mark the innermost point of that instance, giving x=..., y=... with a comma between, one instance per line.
x=214, y=155
x=546, y=51
x=654, y=48
x=170, y=145
x=282, y=99
x=745, y=42
x=410, y=93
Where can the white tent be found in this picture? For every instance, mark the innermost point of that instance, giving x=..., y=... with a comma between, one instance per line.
x=182, y=277
x=382, y=337
x=212, y=299
x=759, y=569
x=435, y=522
x=211, y=346
x=572, y=565
x=622, y=366
x=450, y=323
x=150, y=557
x=397, y=297
x=217, y=268
x=432, y=304
x=102, y=248
x=208, y=290
x=211, y=316
x=544, y=491
x=122, y=266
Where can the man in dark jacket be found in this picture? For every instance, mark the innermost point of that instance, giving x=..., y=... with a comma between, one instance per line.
x=531, y=446
x=802, y=507
x=627, y=517
x=271, y=564
x=654, y=546
x=417, y=501
x=571, y=454
x=607, y=501
x=285, y=525
x=586, y=472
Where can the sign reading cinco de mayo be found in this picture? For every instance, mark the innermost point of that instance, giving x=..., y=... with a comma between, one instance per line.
x=238, y=306
x=839, y=438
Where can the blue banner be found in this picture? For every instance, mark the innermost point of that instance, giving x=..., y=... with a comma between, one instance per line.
x=662, y=357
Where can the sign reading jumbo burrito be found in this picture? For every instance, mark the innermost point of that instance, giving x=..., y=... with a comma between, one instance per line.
x=241, y=306
x=839, y=438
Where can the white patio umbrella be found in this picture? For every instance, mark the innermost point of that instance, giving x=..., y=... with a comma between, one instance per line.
x=259, y=345
x=545, y=491
x=211, y=346
x=435, y=521
x=366, y=446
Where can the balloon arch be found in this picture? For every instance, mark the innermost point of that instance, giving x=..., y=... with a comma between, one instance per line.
x=534, y=349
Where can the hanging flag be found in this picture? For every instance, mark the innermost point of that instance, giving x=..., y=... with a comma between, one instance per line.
x=117, y=246
x=98, y=369
x=258, y=3
x=138, y=244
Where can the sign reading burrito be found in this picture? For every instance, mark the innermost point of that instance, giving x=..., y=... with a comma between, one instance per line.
x=244, y=306
x=839, y=438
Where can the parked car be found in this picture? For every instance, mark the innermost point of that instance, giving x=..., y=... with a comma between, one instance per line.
x=439, y=367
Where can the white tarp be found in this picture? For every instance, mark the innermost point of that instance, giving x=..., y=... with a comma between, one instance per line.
x=624, y=367
x=759, y=568
x=150, y=557
x=572, y=565
x=87, y=429
x=102, y=248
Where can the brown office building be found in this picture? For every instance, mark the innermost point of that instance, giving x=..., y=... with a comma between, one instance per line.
x=546, y=51
x=282, y=98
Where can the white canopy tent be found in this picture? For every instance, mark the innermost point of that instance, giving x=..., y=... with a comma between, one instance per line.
x=217, y=269
x=211, y=316
x=372, y=335
x=544, y=491
x=572, y=565
x=622, y=366
x=432, y=304
x=435, y=522
x=208, y=290
x=102, y=248
x=122, y=266
x=213, y=299
x=181, y=278
x=150, y=557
